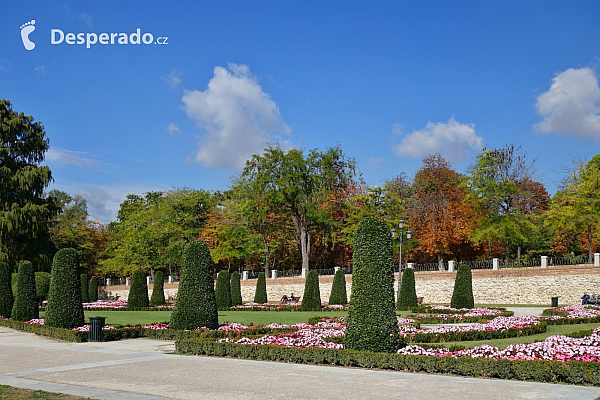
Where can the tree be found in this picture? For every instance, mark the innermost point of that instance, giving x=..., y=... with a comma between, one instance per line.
x=42, y=285
x=338, y=293
x=138, y=292
x=495, y=183
x=236, y=289
x=158, y=291
x=260, y=296
x=311, y=299
x=371, y=323
x=223, y=291
x=85, y=289
x=439, y=211
x=408, y=293
x=65, y=309
x=462, y=295
x=299, y=185
x=6, y=295
x=24, y=212
x=93, y=291
x=25, y=306
x=195, y=306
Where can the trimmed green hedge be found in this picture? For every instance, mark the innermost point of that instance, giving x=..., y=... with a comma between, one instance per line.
x=339, y=295
x=236, y=289
x=25, y=306
x=158, y=290
x=6, y=295
x=85, y=289
x=138, y=292
x=371, y=323
x=260, y=296
x=195, y=306
x=42, y=285
x=571, y=372
x=14, y=278
x=93, y=291
x=462, y=296
x=408, y=293
x=223, y=291
x=311, y=298
x=477, y=335
x=64, y=309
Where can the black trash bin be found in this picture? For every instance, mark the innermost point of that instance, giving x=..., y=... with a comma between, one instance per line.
x=96, y=324
x=555, y=302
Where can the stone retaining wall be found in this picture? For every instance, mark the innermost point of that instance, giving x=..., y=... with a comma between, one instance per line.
x=505, y=286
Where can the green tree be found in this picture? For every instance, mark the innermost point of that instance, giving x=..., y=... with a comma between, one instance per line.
x=25, y=306
x=196, y=305
x=462, y=295
x=236, y=289
x=64, y=309
x=93, y=290
x=338, y=293
x=85, y=289
x=371, y=323
x=138, y=292
x=311, y=299
x=42, y=285
x=408, y=293
x=300, y=186
x=6, y=295
x=158, y=291
x=24, y=212
x=223, y=291
x=495, y=183
x=260, y=296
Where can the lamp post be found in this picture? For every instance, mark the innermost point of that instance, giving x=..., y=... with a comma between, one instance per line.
x=401, y=240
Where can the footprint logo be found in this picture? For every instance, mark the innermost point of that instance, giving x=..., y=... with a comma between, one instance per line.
x=26, y=29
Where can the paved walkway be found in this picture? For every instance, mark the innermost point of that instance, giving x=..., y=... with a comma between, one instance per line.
x=144, y=369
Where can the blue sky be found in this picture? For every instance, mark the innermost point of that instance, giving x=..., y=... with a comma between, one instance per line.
x=391, y=82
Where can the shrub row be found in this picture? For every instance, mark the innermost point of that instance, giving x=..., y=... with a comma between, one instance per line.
x=477, y=335
x=571, y=372
x=426, y=309
x=573, y=321
x=551, y=311
x=453, y=320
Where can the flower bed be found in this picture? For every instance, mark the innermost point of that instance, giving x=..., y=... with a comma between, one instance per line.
x=284, y=307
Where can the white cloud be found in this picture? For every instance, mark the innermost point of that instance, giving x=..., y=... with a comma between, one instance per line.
x=76, y=158
x=375, y=163
x=173, y=129
x=173, y=79
x=41, y=69
x=87, y=18
x=571, y=105
x=238, y=118
x=452, y=139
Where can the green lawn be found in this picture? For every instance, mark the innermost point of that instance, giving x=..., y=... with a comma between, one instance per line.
x=12, y=393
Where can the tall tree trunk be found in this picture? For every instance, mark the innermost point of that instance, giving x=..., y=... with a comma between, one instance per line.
x=302, y=238
x=506, y=253
x=519, y=255
x=267, y=254
x=591, y=256
x=440, y=258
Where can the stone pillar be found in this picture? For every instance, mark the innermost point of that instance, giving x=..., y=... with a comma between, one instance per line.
x=304, y=273
x=451, y=266
x=245, y=275
x=148, y=280
x=336, y=269
x=410, y=265
x=170, y=278
x=596, y=259
x=544, y=261
x=128, y=281
x=495, y=264
x=273, y=274
x=107, y=281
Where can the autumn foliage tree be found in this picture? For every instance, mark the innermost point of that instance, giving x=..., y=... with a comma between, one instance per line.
x=439, y=212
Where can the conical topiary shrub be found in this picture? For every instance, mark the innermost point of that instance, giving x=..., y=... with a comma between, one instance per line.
x=462, y=296
x=138, y=292
x=158, y=290
x=371, y=323
x=223, y=291
x=14, y=278
x=236, y=289
x=408, y=294
x=260, y=296
x=311, y=298
x=6, y=296
x=195, y=306
x=338, y=289
x=93, y=290
x=42, y=285
x=85, y=289
x=64, y=309
x=25, y=306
